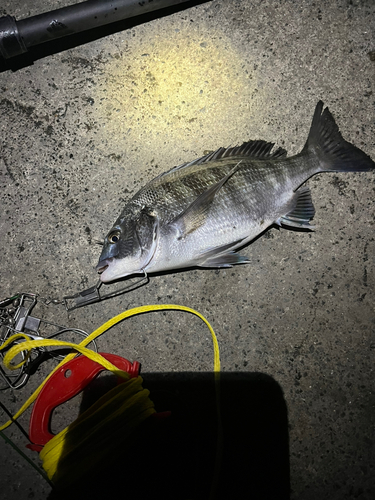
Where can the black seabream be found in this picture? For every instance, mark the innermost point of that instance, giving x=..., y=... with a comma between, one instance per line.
x=199, y=213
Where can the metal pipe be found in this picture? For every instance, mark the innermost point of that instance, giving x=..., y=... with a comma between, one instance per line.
x=16, y=37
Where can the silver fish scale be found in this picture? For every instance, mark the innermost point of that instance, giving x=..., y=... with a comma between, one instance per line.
x=246, y=192
x=248, y=202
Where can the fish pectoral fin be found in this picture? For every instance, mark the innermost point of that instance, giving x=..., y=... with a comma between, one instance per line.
x=196, y=213
x=300, y=210
x=222, y=256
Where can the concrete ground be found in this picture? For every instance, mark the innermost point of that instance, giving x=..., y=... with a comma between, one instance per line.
x=84, y=127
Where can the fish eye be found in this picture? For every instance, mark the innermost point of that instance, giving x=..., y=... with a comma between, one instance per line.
x=114, y=237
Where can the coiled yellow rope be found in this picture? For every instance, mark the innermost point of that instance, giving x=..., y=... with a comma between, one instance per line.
x=127, y=404
x=97, y=432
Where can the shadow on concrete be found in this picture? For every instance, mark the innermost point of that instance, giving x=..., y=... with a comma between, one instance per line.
x=174, y=457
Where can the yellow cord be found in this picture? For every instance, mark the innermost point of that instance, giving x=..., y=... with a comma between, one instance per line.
x=128, y=400
x=97, y=433
x=31, y=344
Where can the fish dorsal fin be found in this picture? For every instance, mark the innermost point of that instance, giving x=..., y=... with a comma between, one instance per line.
x=260, y=150
x=195, y=214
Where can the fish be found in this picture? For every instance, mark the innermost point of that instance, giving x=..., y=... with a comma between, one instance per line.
x=200, y=213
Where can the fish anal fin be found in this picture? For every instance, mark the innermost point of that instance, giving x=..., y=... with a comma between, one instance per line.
x=225, y=260
x=300, y=210
x=195, y=214
x=222, y=256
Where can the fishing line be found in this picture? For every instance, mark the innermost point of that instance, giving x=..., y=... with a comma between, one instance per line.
x=16, y=318
x=5, y=409
x=18, y=450
x=78, y=443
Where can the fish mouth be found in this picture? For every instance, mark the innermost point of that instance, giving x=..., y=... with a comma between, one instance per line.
x=103, y=265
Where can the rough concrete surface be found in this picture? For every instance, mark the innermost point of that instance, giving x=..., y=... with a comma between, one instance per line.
x=84, y=127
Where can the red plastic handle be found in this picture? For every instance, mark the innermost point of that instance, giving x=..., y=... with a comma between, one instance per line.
x=63, y=385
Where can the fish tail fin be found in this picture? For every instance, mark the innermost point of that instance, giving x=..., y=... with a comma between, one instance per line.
x=334, y=152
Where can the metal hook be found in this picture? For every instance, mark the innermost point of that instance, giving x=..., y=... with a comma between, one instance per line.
x=92, y=294
x=15, y=317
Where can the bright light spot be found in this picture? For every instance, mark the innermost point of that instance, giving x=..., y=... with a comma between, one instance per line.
x=175, y=87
